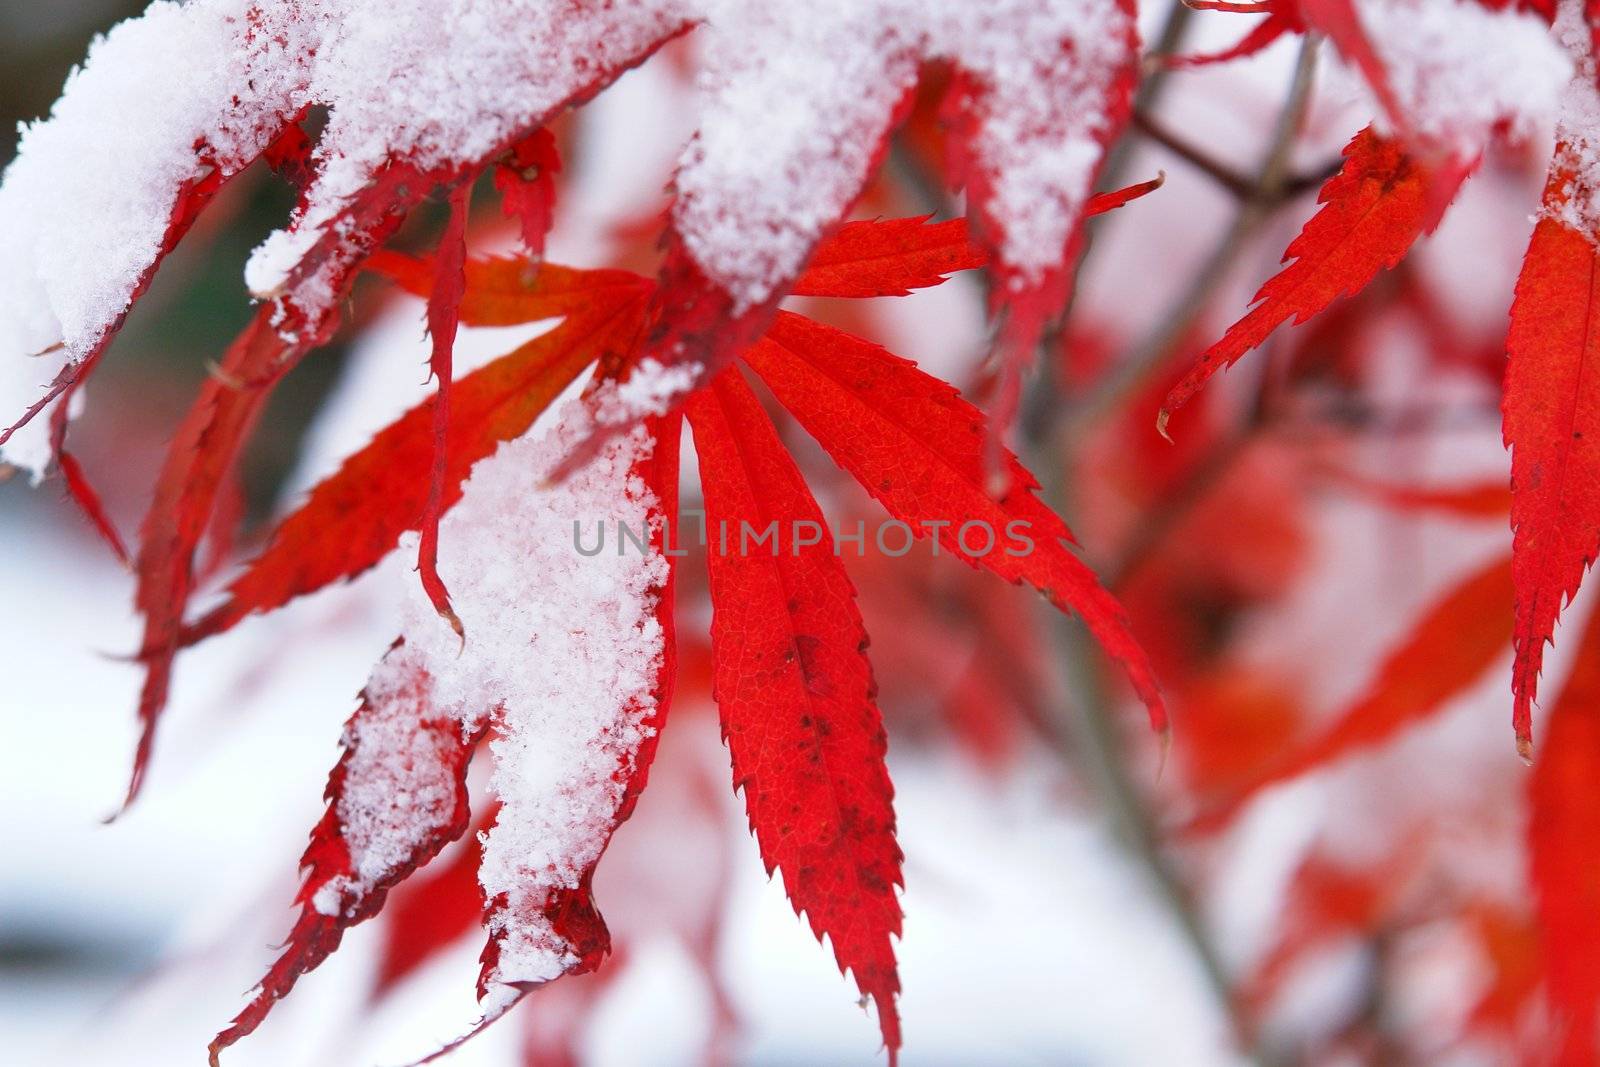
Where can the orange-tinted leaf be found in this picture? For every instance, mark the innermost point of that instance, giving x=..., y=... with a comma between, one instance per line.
x=1372, y=212
x=889, y=257
x=352, y=519
x=1552, y=425
x=396, y=797
x=796, y=694
x=1453, y=644
x=511, y=290
x=1564, y=818
x=920, y=450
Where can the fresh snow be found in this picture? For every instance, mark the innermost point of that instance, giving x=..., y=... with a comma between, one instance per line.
x=795, y=99
x=1461, y=71
x=1578, y=128
x=562, y=651
x=399, y=785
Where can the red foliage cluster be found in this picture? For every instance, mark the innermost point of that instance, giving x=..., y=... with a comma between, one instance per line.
x=787, y=662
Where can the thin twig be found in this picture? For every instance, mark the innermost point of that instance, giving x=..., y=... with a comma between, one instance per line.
x=1253, y=211
x=1221, y=173
x=1241, y=186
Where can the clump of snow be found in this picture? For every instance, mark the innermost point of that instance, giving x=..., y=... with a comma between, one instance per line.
x=797, y=98
x=85, y=205
x=400, y=783
x=649, y=390
x=1460, y=70
x=562, y=650
x=1577, y=128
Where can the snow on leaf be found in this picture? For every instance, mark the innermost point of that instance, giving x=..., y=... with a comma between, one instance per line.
x=1462, y=74
x=391, y=75
x=136, y=152
x=797, y=696
x=919, y=449
x=352, y=519
x=396, y=797
x=128, y=140
x=797, y=104
x=428, y=913
x=1045, y=88
x=1372, y=212
x=1450, y=648
x=574, y=651
x=1564, y=811
x=569, y=657
x=1029, y=164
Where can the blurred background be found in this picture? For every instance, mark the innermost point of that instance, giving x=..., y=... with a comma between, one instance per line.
x=1288, y=888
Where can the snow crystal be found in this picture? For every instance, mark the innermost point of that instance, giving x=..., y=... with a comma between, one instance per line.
x=1578, y=128
x=1459, y=70
x=561, y=649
